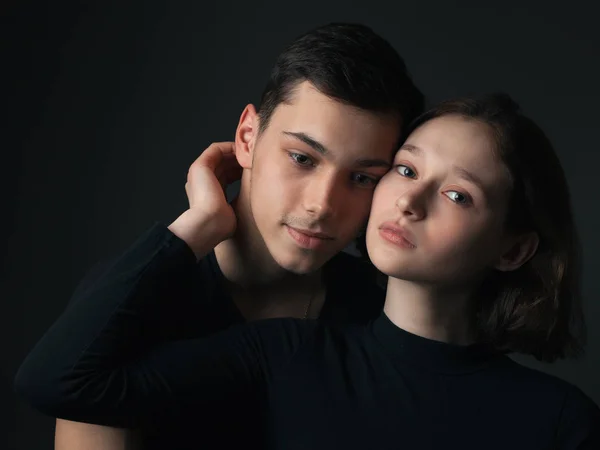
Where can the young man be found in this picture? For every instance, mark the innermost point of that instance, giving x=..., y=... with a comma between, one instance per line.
x=328, y=124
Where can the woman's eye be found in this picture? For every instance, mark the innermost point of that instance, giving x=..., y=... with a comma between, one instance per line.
x=457, y=197
x=405, y=171
x=301, y=159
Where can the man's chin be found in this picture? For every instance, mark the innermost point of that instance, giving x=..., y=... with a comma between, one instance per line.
x=300, y=266
x=300, y=263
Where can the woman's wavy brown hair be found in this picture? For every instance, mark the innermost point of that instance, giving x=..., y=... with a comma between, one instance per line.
x=535, y=309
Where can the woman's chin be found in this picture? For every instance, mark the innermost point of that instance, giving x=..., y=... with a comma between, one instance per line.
x=391, y=263
x=393, y=269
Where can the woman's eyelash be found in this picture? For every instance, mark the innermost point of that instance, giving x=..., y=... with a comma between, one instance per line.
x=467, y=199
x=408, y=172
x=402, y=168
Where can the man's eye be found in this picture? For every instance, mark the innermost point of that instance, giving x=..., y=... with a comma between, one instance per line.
x=301, y=159
x=364, y=180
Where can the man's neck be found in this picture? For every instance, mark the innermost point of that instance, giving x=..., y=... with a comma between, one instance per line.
x=444, y=316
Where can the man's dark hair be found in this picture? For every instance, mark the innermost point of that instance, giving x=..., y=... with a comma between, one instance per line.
x=349, y=63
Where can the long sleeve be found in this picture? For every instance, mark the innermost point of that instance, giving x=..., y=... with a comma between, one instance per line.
x=188, y=302
x=94, y=384
x=95, y=365
x=89, y=364
x=117, y=303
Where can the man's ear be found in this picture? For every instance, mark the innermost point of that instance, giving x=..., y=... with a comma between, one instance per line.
x=519, y=250
x=245, y=136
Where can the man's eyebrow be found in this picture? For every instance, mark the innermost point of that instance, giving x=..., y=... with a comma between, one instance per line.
x=458, y=170
x=320, y=148
x=311, y=142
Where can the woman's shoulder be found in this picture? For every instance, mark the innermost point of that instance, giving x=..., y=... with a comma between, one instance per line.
x=573, y=405
x=521, y=372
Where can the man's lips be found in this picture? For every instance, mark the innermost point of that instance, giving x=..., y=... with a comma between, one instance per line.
x=309, y=239
x=397, y=232
x=312, y=234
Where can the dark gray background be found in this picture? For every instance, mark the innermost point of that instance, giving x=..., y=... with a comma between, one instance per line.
x=107, y=104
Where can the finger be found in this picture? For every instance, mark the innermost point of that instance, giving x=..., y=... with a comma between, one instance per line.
x=187, y=193
x=227, y=164
x=230, y=176
x=215, y=154
x=234, y=174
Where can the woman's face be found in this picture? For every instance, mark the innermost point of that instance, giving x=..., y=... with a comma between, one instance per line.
x=437, y=217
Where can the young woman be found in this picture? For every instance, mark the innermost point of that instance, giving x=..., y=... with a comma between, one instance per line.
x=473, y=227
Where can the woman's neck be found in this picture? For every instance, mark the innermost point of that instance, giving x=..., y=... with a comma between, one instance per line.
x=445, y=316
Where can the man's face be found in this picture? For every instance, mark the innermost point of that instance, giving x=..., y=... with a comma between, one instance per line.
x=313, y=173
